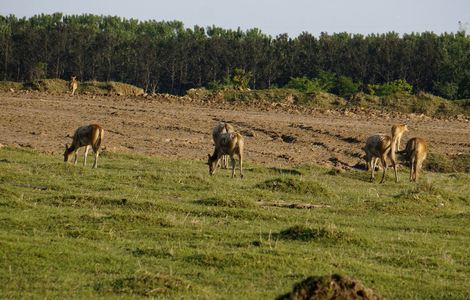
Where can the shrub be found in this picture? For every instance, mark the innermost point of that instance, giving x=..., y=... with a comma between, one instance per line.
x=390, y=88
x=447, y=90
x=346, y=87
x=240, y=80
x=327, y=80
x=303, y=84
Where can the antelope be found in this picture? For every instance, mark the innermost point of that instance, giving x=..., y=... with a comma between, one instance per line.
x=416, y=151
x=73, y=85
x=89, y=135
x=216, y=132
x=381, y=147
x=228, y=143
x=397, y=131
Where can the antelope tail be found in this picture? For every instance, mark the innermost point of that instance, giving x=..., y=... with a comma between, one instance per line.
x=98, y=137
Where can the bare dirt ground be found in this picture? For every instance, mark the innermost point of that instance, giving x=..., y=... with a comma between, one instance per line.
x=177, y=129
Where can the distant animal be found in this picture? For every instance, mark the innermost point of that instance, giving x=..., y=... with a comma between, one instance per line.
x=397, y=131
x=85, y=136
x=380, y=146
x=73, y=85
x=231, y=144
x=415, y=152
x=222, y=127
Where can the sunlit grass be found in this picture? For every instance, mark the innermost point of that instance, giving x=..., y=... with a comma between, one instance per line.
x=145, y=226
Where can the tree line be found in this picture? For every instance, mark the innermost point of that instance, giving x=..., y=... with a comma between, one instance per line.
x=165, y=56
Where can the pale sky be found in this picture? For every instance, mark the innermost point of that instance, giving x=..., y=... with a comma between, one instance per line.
x=272, y=17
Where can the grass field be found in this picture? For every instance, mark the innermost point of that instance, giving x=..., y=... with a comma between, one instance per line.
x=142, y=226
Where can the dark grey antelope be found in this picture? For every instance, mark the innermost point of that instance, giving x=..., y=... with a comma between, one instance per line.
x=222, y=127
x=85, y=136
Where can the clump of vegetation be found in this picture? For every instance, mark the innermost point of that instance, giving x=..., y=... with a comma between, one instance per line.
x=142, y=283
x=437, y=162
x=346, y=87
x=448, y=90
x=240, y=80
x=425, y=191
x=389, y=88
x=325, y=82
x=330, y=287
x=305, y=233
x=295, y=185
x=305, y=85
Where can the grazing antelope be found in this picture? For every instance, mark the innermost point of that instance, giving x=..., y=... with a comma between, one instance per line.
x=89, y=135
x=228, y=143
x=397, y=131
x=416, y=151
x=216, y=132
x=381, y=147
x=73, y=85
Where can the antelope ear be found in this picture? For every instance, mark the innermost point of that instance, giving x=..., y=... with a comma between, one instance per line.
x=66, y=146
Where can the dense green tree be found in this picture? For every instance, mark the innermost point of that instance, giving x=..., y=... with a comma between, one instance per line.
x=167, y=57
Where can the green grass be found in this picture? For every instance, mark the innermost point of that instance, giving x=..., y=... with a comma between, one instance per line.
x=142, y=226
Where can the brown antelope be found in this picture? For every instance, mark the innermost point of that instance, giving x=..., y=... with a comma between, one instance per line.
x=228, y=143
x=89, y=135
x=381, y=147
x=416, y=151
x=222, y=127
x=73, y=85
x=397, y=131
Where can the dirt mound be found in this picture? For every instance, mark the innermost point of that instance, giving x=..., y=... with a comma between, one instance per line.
x=295, y=185
x=330, y=287
x=48, y=85
x=10, y=86
x=124, y=89
x=437, y=162
x=109, y=88
x=62, y=86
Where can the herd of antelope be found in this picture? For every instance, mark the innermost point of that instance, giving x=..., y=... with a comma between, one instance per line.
x=228, y=143
x=383, y=147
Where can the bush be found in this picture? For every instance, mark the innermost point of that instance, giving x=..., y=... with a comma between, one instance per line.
x=305, y=85
x=346, y=87
x=390, y=88
x=327, y=80
x=240, y=80
x=447, y=90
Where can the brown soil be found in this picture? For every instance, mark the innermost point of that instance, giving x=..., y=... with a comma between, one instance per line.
x=330, y=287
x=176, y=128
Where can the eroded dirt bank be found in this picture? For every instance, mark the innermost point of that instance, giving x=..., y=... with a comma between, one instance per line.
x=176, y=129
